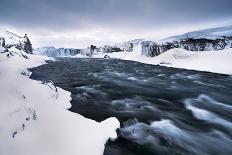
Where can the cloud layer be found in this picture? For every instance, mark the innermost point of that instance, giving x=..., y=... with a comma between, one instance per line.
x=86, y=21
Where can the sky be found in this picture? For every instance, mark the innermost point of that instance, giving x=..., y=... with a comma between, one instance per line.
x=80, y=23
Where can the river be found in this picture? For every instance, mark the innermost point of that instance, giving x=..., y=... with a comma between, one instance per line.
x=162, y=111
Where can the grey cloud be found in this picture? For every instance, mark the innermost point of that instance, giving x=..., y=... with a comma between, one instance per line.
x=64, y=14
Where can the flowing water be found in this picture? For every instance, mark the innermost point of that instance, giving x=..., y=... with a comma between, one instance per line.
x=163, y=111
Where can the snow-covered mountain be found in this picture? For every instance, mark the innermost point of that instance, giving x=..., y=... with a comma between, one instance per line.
x=204, y=40
x=211, y=34
x=9, y=39
x=54, y=52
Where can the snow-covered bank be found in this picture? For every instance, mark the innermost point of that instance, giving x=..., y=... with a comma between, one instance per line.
x=33, y=115
x=211, y=61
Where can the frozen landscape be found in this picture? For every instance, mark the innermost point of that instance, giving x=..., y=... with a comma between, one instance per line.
x=41, y=109
x=125, y=77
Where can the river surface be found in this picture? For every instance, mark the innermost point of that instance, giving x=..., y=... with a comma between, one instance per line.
x=163, y=111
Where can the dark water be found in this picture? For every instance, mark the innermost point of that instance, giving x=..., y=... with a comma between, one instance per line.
x=163, y=111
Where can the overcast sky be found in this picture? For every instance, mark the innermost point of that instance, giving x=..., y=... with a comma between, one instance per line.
x=79, y=23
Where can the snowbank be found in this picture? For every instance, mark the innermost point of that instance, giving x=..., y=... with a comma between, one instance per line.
x=211, y=61
x=33, y=115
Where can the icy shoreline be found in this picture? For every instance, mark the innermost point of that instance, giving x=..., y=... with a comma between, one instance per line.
x=210, y=61
x=34, y=116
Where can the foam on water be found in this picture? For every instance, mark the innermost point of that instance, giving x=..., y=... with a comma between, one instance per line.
x=164, y=136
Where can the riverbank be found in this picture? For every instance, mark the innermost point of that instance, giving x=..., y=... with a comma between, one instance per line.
x=34, y=116
x=210, y=61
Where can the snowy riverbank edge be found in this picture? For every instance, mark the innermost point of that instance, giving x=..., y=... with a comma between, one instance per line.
x=210, y=61
x=34, y=116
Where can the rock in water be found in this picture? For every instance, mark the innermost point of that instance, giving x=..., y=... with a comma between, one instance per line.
x=106, y=57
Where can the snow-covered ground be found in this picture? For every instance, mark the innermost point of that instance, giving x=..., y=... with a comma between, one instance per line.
x=211, y=61
x=34, y=119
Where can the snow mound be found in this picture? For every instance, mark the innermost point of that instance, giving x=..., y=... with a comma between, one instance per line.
x=217, y=62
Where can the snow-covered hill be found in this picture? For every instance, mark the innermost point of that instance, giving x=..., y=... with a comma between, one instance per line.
x=34, y=116
x=10, y=39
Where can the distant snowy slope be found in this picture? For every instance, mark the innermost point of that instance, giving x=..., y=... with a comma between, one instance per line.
x=212, y=34
x=10, y=38
x=214, y=39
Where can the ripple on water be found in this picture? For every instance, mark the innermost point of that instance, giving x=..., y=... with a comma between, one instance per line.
x=89, y=92
x=132, y=104
x=165, y=137
x=207, y=109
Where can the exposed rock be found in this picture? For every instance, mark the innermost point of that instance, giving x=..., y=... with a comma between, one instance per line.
x=9, y=39
x=2, y=42
x=110, y=49
x=27, y=47
x=151, y=49
x=106, y=57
